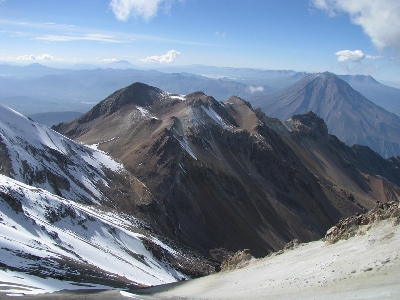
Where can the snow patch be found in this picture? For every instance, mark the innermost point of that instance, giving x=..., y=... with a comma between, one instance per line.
x=179, y=97
x=143, y=111
x=186, y=147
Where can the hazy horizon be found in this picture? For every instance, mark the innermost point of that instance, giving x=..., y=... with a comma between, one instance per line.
x=357, y=37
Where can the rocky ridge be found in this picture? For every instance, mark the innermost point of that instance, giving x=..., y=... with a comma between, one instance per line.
x=220, y=175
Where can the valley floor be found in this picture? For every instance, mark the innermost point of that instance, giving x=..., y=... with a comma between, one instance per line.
x=366, y=266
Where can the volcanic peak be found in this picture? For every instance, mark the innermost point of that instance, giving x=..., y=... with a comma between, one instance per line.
x=138, y=93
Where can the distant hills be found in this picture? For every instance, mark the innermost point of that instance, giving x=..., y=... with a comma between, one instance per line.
x=385, y=96
x=79, y=90
x=348, y=114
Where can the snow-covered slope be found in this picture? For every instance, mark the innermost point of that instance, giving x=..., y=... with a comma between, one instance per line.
x=38, y=156
x=48, y=243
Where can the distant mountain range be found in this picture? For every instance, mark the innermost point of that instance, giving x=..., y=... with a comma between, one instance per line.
x=348, y=114
x=57, y=90
x=382, y=95
x=52, y=118
x=39, y=89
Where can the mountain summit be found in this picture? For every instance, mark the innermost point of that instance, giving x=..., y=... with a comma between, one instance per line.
x=348, y=114
x=221, y=176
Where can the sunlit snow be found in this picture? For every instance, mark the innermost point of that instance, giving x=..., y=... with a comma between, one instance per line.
x=73, y=232
x=36, y=151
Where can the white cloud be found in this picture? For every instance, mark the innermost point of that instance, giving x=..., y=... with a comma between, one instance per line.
x=147, y=9
x=379, y=19
x=355, y=56
x=36, y=57
x=169, y=57
x=254, y=89
x=350, y=55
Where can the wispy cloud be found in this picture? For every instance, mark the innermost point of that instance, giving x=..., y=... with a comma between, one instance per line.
x=67, y=33
x=169, y=57
x=146, y=9
x=47, y=25
x=379, y=19
x=44, y=56
x=97, y=37
x=220, y=34
x=108, y=59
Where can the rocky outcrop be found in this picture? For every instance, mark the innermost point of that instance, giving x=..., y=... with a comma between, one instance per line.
x=308, y=125
x=351, y=226
x=237, y=261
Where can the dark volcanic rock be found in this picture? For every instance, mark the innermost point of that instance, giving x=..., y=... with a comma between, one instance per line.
x=310, y=125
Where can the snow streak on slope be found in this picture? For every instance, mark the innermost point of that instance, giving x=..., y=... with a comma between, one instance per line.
x=41, y=157
x=44, y=238
x=213, y=115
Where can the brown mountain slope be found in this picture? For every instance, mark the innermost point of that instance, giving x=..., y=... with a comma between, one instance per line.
x=357, y=172
x=215, y=175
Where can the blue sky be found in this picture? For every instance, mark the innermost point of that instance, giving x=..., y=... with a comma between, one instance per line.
x=341, y=36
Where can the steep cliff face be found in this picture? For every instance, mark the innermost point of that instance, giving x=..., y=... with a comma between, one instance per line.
x=220, y=176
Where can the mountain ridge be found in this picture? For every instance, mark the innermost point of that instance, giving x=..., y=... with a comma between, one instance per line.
x=201, y=158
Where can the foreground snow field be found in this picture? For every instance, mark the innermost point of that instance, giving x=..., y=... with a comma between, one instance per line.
x=366, y=266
